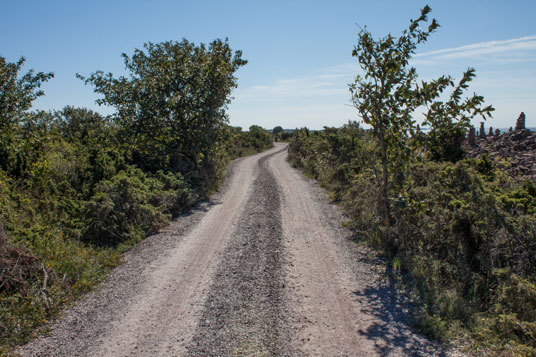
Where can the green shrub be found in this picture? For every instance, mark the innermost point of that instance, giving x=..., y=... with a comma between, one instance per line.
x=173, y=192
x=463, y=233
x=121, y=209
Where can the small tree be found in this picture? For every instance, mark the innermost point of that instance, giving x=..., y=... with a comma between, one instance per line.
x=276, y=131
x=388, y=94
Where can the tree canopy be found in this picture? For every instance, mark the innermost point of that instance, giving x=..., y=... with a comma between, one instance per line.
x=17, y=93
x=171, y=109
x=388, y=94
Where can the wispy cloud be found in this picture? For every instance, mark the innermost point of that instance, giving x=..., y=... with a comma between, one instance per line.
x=517, y=49
x=322, y=95
x=332, y=81
x=313, y=86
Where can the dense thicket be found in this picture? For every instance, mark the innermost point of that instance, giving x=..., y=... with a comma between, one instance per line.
x=463, y=230
x=77, y=188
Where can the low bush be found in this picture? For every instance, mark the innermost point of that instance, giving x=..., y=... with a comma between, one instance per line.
x=124, y=208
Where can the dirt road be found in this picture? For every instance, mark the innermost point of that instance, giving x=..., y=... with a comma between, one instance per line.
x=264, y=268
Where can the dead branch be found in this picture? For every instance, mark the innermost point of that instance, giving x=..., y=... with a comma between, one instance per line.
x=45, y=277
x=3, y=236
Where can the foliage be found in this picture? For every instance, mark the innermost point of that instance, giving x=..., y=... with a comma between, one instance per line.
x=76, y=191
x=124, y=208
x=285, y=135
x=171, y=110
x=276, y=131
x=16, y=96
x=240, y=143
x=387, y=95
x=465, y=235
x=259, y=137
x=80, y=125
x=449, y=121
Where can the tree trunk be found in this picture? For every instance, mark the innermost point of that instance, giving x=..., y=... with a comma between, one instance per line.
x=384, y=192
x=386, y=212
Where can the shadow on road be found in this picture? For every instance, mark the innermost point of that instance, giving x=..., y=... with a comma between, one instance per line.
x=394, y=333
x=203, y=206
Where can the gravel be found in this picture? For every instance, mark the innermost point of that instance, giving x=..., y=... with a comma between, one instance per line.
x=245, y=313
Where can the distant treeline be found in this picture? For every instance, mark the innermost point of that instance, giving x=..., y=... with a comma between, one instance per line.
x=78, y=188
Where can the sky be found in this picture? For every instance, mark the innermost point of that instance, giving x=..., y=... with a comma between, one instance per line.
x=299, y=52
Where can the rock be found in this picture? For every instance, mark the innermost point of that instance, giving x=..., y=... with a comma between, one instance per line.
x=516, y=146
x=520, y=123
x=471, y=136
x=482, y=131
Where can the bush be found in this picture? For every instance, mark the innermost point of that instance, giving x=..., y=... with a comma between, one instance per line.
x=463, y=233
x=77, y=188
x=124, y=208
x=172, y=193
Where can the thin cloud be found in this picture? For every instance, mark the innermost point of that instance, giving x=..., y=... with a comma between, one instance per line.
x=517, y=49
x=324, y=94
x=326, y=82
x=320, y=85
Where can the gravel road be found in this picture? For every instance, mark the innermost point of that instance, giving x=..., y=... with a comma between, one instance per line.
x=263, y=268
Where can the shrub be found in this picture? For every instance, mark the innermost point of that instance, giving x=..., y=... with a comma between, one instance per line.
x=464, y=235
x=121, y=209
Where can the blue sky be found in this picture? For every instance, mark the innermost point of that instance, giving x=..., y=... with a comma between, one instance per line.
x=299, y=52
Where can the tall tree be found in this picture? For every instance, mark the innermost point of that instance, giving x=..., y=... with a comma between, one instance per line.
x=171, y=108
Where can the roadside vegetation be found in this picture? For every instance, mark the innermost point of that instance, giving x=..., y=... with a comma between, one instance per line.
x=77, y=189
x=459, y=234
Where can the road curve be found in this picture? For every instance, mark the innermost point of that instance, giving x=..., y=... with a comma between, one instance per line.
x=264, y=268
